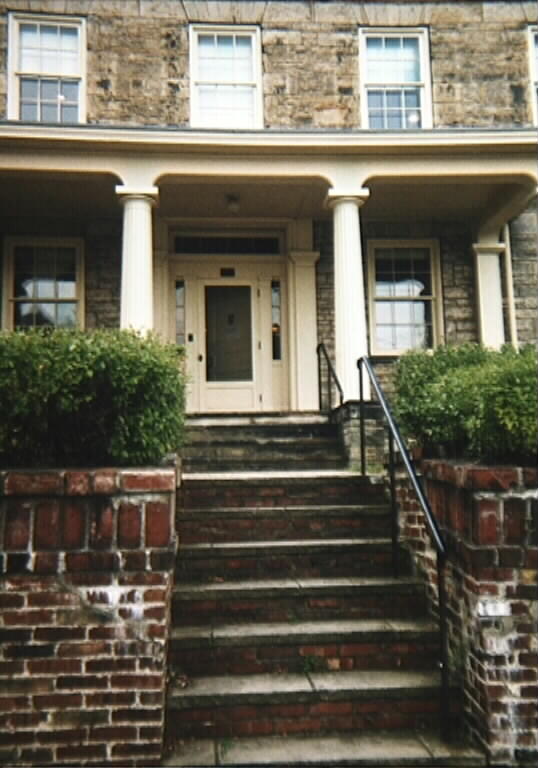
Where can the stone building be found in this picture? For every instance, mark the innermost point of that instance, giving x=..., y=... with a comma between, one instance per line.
x=253, y=178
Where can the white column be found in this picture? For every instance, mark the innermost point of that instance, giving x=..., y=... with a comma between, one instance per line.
x=137, y=258
x=302, y=291
x=351, y=340
x=489, y=293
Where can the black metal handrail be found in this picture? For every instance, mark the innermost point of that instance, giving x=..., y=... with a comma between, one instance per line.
x=394, y=436
x=321, y=349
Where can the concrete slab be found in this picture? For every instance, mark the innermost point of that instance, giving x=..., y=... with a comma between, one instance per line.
x=367, y=681
x=232, y=686
x=199, y=752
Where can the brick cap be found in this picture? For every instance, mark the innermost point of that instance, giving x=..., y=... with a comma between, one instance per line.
x=477, y=477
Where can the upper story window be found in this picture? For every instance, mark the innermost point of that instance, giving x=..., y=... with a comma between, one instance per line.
x=225, y=72
x=46, y=69
x=404, y=293
x=395, y=78
x=533, y=57
x=42, y=279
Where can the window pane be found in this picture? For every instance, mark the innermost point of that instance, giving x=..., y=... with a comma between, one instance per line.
x=69, y=114
x=49, y=90
x=383, y=312
x=276, y=320
x=45, y=314
x=404, y=337
x=24, y=315
x=50, y=56
x=28, y=112
x=49, y=113
x=29, y=89
x=24, y=270
x=69, y=91
x=29, y=48
x=384, y=337
x=66, y=315
x=180, y=312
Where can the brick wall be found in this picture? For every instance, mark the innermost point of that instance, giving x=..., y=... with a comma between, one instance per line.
x=489, y=519
x=86, y=573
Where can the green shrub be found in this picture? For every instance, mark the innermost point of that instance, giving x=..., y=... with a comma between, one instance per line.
x=73, y=398
x=471, y=401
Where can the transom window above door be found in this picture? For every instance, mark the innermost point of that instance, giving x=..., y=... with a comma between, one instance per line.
x=394, y=72
x=46, y=69
x=225, y=70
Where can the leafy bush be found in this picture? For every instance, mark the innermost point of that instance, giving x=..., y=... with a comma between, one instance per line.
x=73, y=398
x=470, y=401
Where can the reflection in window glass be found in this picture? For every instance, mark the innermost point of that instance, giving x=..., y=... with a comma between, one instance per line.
x=180, y=312
x=276, y=319
x=44, y=279
x=403, y=299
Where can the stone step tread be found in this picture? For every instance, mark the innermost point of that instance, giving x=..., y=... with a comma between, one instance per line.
x=261, y=588
x=385, y=749
x=280, y=546
x=266, y=419
x=289, y=511
x=310, y=632
x=237, y=438
x=290, y=476
x=219, y=690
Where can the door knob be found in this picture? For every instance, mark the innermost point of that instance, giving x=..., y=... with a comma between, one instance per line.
x=200, y=358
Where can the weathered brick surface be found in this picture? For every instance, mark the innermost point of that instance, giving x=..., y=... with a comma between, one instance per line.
x=489, y=518
x=82, y=627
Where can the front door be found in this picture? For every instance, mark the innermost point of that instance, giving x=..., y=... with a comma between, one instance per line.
x=226, y=371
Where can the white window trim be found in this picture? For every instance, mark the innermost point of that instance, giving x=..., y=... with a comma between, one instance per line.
x=252, y=31
x=438, y=330
x=11, y=243
x=15, y=20
x=533, y=84
x=421, y=33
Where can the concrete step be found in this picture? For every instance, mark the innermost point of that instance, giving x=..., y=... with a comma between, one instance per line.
x=392, y=749
x=277, y=488
x=293, y=599
x=278, y=523
x=262, y=648
x=311, y=702
x=307, y=558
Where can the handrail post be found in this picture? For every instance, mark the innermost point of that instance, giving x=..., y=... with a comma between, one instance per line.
x=444, y=709
x=320, y=388
x=361, y=417
x=394, y=507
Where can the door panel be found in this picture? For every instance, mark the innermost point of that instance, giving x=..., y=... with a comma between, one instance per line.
x=228, y=316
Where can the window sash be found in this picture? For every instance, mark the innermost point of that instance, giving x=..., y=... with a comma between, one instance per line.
x=46, y=69
x=43, y=284
x=394, y=66
x=225, y=78
x=403, y=280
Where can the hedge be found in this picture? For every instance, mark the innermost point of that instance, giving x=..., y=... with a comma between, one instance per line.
x=470, y=401
x=73, y=398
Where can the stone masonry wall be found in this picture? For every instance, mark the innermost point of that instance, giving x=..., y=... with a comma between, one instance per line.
x=489, y=520
x=524, y=239
x=138, y=57
x=85, y=574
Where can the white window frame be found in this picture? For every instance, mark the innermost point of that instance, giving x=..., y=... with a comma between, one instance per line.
x=11, y=243
x=424, y=84
x=14, y=74
x=253, y=32
x=533, y=70
x=438, y=333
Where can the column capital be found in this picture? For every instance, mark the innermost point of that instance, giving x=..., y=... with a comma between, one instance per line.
x=304, y=258
x=358, y=196
x=151, y=194
x=488, y=248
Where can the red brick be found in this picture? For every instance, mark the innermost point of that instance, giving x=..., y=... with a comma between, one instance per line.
x=486, y=521
x=10, y=703
x=73, y=525
x=47, y=530
x=160, y=480
x=33, y=483
x=62, y=736
x=514, y=521
x=111, y=665
x=136, y=681
x=158, y=524
x=83, y=649
x=129, y=526
x=133, y=561
x=17, y=527
x=54, y=666
x=46, y=562
x=109, y=699
x=58, y=701
x=77, y=483
x=154, y=596
x=113, y=733
x=24, y=618
x=53, y=598
x=127, y=750
x=105, y=481
x=11, y=668
x=133, y=715
x=92, y=561
x=82, y=752
x=57, y=634
x=102, y=527
x=11, y=600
